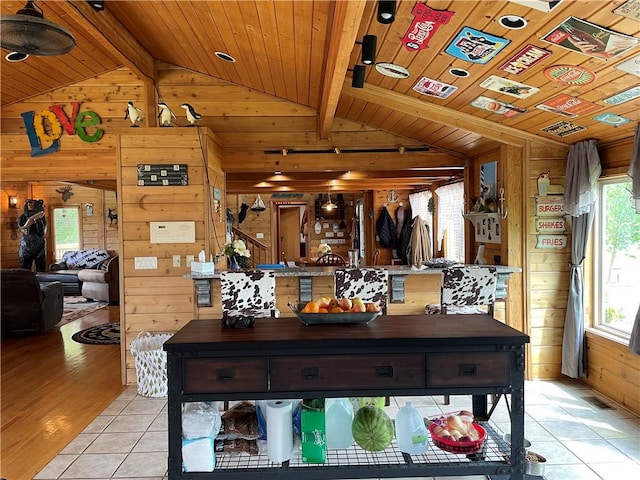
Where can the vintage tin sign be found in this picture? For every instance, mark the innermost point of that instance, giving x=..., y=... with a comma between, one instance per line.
x=425, y=24
x=550, y=225
x=496, y=106
x=629, y=9
x=563, y=129
x=570, y=75
x=549, y=206
x=526, y=58
x=543, y=5
x=611, y=119
x=589, y=39
x=551, y=241
x=434, y=88
x=509, y=87
x=392, y=70
x=475, y=46
x=568, y=106
x=618, y=98
x=631, y=66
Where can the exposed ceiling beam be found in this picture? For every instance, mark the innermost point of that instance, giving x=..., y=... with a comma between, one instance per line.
x=113, y=36
x=344, y=29
x=419, y=108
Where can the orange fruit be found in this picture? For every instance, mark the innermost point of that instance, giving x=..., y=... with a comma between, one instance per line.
x=323, y=310
x=336, y=310
x=311, y=307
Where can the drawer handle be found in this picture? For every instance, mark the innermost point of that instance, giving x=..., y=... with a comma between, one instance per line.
x=467, y=369
x=385, y=371
x=226, y=374
x=310, y=373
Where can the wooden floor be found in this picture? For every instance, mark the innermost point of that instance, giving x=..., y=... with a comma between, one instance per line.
x=52, y=388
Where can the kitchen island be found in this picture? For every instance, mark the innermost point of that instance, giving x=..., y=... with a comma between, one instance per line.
x=393, y=355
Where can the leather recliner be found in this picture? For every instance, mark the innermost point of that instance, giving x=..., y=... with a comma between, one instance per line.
x=28, y=307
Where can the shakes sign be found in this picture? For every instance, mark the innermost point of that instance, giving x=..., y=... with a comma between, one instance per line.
x=45, y=128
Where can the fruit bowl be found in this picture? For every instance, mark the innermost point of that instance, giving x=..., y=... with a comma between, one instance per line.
x=329, y=318
x=459, y=447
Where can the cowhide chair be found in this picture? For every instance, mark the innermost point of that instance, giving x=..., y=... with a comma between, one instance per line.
x=466, y=290
x=249, y=292
x=369, y=284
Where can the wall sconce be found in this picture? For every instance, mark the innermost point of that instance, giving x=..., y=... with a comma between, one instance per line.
x=13, y=201
x=357, y=80
x=386, y=11
x=368, y=43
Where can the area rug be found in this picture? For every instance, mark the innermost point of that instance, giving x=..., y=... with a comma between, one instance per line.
x=105, y=334
x=77, y=307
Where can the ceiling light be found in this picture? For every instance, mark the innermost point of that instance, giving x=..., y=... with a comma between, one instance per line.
x=329, y=205
x=225, y=56
x=337, y=150
x=27, y=32
x=277, y=172
x=386, y=12
x=357, y=81
x=369, y=43
x=284, y=152
x=512, y=22
x=97, y=5
x=16, y=57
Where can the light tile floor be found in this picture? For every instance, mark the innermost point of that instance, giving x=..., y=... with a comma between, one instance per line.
x=580, y=440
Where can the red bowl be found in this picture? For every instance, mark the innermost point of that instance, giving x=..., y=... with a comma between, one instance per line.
x=459, y=447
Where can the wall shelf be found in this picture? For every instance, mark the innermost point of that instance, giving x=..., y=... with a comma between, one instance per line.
x=486, y=226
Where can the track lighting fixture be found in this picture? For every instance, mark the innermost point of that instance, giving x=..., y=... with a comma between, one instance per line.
x=386, y=11
x=357, y=80
x=368, y=43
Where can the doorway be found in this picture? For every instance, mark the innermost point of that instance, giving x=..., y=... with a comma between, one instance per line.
x=67, y=233
x=290, y=239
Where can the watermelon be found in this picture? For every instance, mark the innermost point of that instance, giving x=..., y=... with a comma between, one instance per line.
x=373, y=401
x=372, y=429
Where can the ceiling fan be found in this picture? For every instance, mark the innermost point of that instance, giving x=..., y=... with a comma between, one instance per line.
x=27, y=32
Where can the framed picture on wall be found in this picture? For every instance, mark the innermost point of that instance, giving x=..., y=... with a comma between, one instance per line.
x=488, y=179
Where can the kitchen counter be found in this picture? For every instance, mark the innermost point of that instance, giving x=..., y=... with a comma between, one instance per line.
x=398, y=275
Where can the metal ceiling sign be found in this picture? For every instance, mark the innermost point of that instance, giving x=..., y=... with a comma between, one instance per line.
x=526, y=58
x=496, y=106
x=568, y=106
x=434, y=88
x=570, y=75
x=425, y=24
x=562, y=129
x=475, y=46
x=392, y=70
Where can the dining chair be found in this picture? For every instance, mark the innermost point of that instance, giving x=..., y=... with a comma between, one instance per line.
x=248, y=292
x=331, y=259
x=468, y=289
x=369, y=284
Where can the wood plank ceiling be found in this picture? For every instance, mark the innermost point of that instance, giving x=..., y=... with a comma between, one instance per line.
x=304, y=51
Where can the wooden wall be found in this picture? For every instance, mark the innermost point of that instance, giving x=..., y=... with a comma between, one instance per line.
x=161, y=300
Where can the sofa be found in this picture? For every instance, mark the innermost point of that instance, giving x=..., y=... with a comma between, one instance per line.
x=28, y=307
x=91, y=273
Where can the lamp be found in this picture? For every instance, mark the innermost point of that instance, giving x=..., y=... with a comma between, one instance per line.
x=13, y=201
x=368, y=49
x=329, y=206
x=386, y=11
x=27, y=32
x=357, y=80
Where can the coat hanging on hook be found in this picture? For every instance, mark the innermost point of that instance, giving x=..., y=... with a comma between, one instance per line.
x=258, y=205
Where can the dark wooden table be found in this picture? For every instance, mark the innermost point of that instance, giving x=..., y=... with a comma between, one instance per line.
x=393, y=355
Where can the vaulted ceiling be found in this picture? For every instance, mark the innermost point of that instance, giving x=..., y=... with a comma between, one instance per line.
x=304, y=51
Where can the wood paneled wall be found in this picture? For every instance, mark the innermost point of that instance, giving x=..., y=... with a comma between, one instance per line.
x=161, y=300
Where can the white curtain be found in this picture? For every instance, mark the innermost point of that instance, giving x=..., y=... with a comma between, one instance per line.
x=634, y=173
x=420, y=206
x=583, y=170
x=451, y=221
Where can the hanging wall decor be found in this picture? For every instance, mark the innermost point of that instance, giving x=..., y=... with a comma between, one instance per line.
x=150, y=175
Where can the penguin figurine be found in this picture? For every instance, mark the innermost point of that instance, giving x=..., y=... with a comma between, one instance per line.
x=165, y=115
x=192, y=115
x=134, y=114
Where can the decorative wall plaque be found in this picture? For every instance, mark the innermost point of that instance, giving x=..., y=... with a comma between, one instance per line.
x=152, y=175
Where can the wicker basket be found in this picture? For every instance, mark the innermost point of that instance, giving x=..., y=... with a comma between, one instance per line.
x=463, y=448
x=151, y=363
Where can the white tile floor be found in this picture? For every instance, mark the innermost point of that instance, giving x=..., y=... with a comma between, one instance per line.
x=580, y=440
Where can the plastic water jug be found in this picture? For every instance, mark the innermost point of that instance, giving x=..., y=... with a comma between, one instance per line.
x=338, y=419
x=411, y=433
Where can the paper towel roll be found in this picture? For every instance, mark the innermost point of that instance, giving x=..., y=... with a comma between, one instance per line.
x=279, y=430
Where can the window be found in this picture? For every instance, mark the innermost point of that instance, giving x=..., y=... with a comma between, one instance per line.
x=451, y=221
x=419, y=203
x=66, y=230
x=617, y=258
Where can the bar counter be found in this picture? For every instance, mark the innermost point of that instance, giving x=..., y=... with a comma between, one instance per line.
x=410, y=289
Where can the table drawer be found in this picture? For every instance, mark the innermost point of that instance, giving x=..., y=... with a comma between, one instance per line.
x=480, y=369
x=334, y=372
x=206, y=375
